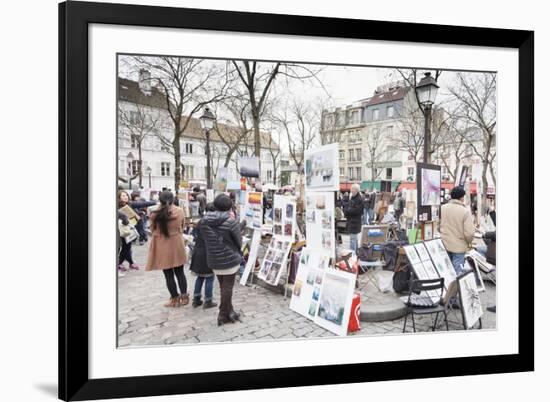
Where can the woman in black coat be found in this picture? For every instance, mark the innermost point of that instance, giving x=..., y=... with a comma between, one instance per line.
x=200, y=268
x=223, y=240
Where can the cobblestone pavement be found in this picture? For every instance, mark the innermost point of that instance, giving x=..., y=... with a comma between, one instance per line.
x=143, y=319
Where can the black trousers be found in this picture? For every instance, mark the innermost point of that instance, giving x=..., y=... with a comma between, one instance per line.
x=226, y=293
x=125, y=253
x=179, y=275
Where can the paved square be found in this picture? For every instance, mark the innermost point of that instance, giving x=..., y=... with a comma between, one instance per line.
x=143, y=319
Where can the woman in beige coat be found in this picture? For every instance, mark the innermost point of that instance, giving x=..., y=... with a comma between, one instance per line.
x=167, y=248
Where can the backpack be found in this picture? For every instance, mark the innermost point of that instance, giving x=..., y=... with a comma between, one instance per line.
x=401, y=279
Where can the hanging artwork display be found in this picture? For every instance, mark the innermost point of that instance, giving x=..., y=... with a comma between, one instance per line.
x=334, y=301
x=322, y=168
x=220, y=182
x=428, y=194
x=308, y=282
x=284, y=216
x=471, y=265
x=423, y=271
x=249, y=166
x=470, y=300
x=275, y=261
x=252, y=256
x=422, y=252
x=253, y=210
x=320, y=221
x=441, y=260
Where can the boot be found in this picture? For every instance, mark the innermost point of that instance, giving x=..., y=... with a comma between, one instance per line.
x=173, y=302
x=197, y=302
x=209, y=304
x=184, y=299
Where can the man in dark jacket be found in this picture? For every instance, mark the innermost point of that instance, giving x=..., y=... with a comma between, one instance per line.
x=223, y=240
x=354, y=215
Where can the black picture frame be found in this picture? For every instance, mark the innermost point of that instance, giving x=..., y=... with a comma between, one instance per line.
x=74, y=18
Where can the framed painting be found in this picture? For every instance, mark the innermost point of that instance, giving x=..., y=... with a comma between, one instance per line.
x=112, y=58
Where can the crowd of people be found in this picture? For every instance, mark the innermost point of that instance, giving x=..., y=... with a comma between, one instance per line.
x=214, y=251
x=214, y=243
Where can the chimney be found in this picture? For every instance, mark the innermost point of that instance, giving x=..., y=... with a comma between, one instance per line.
x=145, y=81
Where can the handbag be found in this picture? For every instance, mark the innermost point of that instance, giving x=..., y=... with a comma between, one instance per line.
x=128, y=232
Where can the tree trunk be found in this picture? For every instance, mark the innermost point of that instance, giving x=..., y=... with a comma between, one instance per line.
x=140, y=165
x=177, y=161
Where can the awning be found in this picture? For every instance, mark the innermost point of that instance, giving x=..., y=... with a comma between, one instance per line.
x=411, y=185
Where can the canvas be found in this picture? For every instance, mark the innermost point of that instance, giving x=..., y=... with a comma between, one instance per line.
x=472, y=310
x=335, y=299
x=430, y=186
x=321, y=168
x=249, y=166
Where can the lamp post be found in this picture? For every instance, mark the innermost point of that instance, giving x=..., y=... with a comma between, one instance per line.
x=427, y=91
x=149, y=170
x=207, y=123
x=130, y=160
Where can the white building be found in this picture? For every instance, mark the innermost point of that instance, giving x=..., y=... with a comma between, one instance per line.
x=143, y=119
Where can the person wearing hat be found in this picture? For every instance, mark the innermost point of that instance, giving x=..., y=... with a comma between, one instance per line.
x=457, y=228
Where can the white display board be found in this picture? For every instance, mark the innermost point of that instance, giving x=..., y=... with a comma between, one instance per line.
x=253, y=210
x=322, y=168
x=309, y=278
x=252, y=255
x=275, y=260
x=284, y=216
x=334, y=301
x=320, y=229
x=441, y=260
x=472, y=310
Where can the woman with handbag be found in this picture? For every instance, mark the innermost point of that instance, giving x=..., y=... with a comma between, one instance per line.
x=128, y=207
x=167, y=248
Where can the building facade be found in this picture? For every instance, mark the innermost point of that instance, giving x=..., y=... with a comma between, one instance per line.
x=145, y=133
x=380, y=140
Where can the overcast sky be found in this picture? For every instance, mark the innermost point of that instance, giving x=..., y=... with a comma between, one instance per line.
x=345, y=84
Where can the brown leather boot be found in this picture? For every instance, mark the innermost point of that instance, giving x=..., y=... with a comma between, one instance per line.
x=173, y=302
x=184, y=299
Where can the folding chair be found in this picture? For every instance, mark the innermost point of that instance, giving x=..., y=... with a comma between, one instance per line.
x=420, y=302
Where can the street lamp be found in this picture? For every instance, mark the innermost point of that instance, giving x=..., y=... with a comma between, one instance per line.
x=130, y=160
x=149, y=170
x=426, y=91
x=207, y=123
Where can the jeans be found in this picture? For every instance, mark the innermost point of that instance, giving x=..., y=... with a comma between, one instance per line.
x=208, y=286
x=370, y=216
x=171, y=283
x=353, y=240
x=482, y=249
x=458, y=261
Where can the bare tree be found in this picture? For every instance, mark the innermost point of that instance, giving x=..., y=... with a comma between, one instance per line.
x=475, y=96
x=375, y=150
x=188, y=85
x=452, y=148
x=411, y=137
x=300, y=124
x=258, y=79
x=139, y=121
